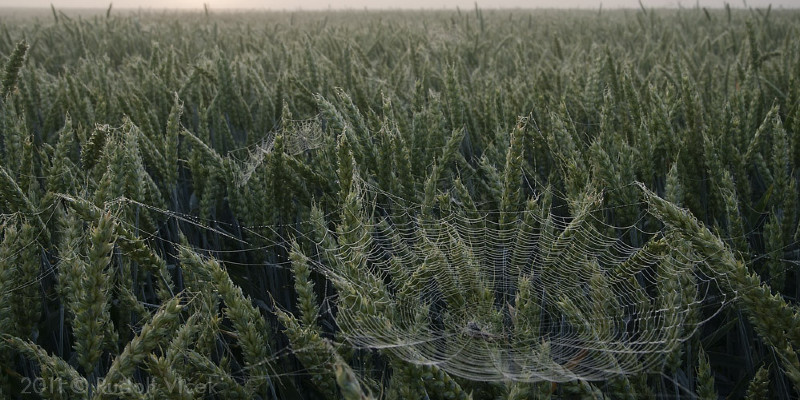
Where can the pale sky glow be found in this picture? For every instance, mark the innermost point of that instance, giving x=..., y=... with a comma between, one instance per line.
x=387, y=4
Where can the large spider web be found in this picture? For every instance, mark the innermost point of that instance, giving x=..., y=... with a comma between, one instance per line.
x=534, y=295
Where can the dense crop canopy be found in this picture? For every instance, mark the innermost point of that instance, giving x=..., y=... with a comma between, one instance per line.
x=484, y=204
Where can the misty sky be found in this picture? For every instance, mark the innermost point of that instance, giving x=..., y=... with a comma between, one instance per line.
x=377, y=4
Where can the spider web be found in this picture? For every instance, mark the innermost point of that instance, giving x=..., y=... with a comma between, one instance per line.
x=529, y=296
x=301, y=135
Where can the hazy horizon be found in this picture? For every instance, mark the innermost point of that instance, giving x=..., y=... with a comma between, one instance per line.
x=387, y=4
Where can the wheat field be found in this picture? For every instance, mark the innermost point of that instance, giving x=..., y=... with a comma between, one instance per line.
x=403, y=205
